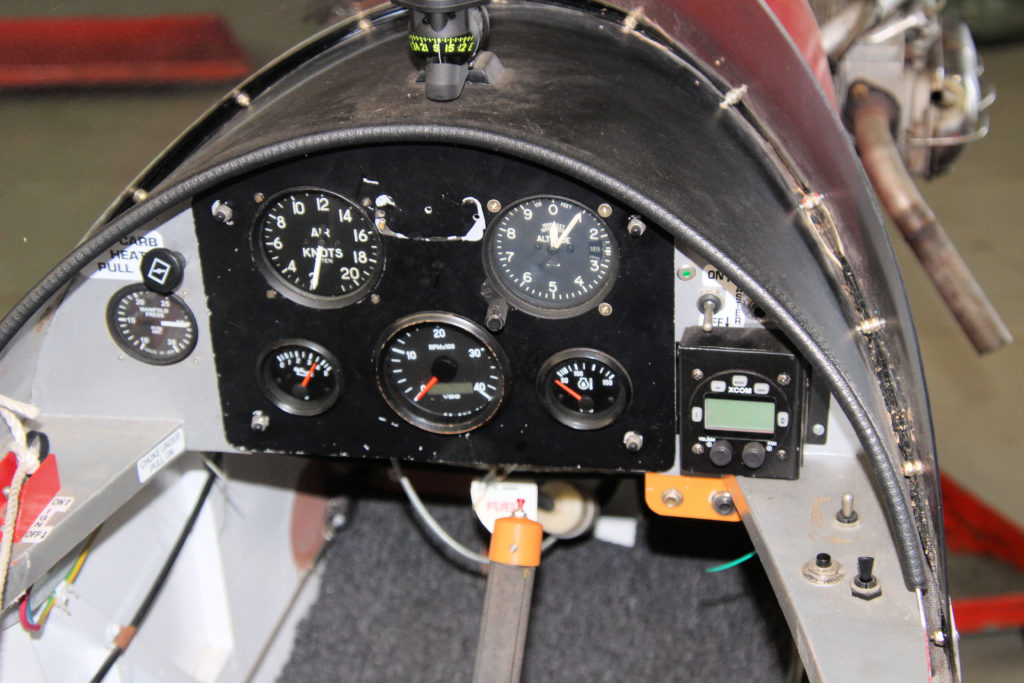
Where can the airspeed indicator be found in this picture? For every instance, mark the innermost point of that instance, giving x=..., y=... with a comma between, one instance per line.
x=318, y=247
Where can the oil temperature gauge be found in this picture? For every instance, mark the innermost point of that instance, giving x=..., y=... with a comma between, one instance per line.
x=300, y=377
x=584, y=388
x=441, y=372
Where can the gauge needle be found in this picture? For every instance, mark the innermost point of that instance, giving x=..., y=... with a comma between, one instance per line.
x=309, y=375
x=315, y=279
x=426, y=387
x=560, y=239
x=567, y=389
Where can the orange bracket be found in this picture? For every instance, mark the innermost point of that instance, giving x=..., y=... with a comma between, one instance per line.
x=691, y=497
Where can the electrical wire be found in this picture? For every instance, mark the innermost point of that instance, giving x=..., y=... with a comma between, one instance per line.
x=435, y=527
x=428, y=519
x=733, y=563
x=128, y=632
x=34, y=624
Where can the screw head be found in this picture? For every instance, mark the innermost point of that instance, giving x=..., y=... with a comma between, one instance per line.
x=697, y=449
x=721, y=501
x=697, y=374
x=258, y=197
x=605, y=309
x=783, y=379
x=375, y=298
x=818, y=429
x=242, y=100
x=260, y=421
x=493, y=205
x=604, y=210
x=633, y=441
x=671, y=498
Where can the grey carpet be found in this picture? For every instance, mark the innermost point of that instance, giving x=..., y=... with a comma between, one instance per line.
x=392, y=608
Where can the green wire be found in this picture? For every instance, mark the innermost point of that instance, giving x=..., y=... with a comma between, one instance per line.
x=730, y=565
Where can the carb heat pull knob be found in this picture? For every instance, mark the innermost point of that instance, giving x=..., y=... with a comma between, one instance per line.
x=721, y=453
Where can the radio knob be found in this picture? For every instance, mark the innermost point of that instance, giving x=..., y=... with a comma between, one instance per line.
x=753, y=455
x=721, y=453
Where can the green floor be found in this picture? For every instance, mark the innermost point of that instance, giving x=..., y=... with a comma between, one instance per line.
x=65, y=156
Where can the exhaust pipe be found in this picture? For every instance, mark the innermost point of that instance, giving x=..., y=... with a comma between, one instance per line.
x=873, y=114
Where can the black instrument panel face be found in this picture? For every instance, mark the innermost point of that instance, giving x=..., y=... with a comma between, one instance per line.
x=430, y=307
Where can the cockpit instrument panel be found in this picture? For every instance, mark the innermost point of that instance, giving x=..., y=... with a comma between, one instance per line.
x=395, y=311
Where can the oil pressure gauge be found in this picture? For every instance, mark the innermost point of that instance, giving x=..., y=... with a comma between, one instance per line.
x=301, y=377
x=584, y=388
x=155, y=328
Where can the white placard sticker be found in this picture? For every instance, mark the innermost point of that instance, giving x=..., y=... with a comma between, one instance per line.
x=36, y=535
x=60, y=503
x=161, y=454
x=121, y=261
x=496, y=499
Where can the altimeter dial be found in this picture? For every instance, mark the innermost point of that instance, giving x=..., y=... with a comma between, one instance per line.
x=551, y=256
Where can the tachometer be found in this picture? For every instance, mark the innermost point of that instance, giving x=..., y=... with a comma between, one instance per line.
x=441, y=372
x=319, y=246
x=551, y=257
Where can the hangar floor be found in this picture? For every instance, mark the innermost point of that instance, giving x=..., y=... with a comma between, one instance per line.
x=64, y=155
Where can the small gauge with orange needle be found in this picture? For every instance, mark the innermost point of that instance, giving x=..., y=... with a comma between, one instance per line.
x=301, y=377
x=584, y=388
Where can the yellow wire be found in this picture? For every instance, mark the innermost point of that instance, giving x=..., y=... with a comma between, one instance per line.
x=69, y=577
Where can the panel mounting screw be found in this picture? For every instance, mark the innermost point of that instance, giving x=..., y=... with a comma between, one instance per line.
x=258, y=197
x=604, y=210
x=139, y=196
x=783, y=379
x=242, y=100
x=697, y=449
x=818, y=429
x=605, y=309
x=633, y=441
x=493, y=205
x=260, y=421
x=697, y=374
x=671, y=498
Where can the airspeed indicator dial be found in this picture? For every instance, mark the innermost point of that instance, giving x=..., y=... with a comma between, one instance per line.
x=319, y=247
x=551, y=257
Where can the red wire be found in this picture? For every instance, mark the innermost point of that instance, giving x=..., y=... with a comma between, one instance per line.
x=25, y=617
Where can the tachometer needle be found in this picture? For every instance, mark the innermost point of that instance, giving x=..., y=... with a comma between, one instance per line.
x=309, y=375
x=567, y=389
x=426, y=387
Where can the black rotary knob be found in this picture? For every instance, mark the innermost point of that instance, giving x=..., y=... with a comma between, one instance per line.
x=721, y=453
x=753, y=455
